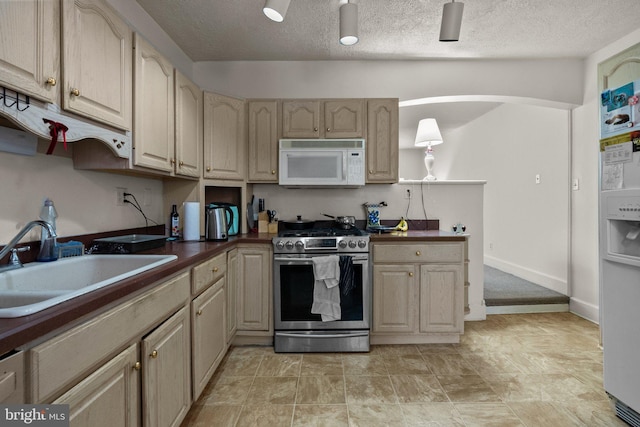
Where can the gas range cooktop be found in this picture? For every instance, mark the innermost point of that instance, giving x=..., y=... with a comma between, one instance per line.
x=321, y=240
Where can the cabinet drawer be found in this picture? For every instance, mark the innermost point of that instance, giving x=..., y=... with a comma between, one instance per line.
x=12, y=379
x=419, y=253
x=70, y=356
x=208, y=272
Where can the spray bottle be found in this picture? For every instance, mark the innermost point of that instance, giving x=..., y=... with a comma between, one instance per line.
x=48, y=249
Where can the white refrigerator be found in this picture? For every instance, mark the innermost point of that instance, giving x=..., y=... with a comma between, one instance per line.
x=620, y=247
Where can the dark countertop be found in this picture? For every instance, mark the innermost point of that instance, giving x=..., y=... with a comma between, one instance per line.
x=19, y=331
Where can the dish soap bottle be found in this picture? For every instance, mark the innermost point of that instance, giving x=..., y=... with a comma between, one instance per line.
x=175, y=222
x=48, y=249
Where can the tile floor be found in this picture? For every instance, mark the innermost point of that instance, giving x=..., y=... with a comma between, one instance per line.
x=510, y=370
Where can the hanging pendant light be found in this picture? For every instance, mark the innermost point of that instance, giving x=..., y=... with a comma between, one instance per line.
x=348, y=24
x=451, y=21
x=276, y=9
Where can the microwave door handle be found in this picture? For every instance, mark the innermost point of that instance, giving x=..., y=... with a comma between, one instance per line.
x=344, y=167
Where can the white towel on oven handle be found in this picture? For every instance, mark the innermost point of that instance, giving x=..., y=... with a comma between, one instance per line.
x=326, y=292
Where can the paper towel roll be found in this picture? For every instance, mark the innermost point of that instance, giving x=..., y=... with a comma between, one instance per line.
x=191, y=221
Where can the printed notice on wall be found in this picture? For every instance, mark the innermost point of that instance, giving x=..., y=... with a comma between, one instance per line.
x=619, y=153
x=612, y=178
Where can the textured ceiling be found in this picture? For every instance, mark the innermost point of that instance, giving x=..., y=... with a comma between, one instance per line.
x=229, y=30
x=217, y=30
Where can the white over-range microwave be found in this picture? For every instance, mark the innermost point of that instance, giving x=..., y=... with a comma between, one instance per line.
x=322, y=163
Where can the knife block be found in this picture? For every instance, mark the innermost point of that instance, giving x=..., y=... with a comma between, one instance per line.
x=263, y=222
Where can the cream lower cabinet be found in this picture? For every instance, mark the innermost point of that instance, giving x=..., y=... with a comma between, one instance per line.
x=142, y=344
x=110, y=397
x=255, y=293
x=418, y=293
x=232, y=294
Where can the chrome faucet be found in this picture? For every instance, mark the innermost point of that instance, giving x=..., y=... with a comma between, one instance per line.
x=46, y=227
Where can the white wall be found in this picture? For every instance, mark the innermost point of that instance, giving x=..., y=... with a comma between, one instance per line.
x=526, y=224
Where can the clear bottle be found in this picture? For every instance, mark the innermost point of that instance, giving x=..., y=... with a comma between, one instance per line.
x=175, y=222
x=48, y=250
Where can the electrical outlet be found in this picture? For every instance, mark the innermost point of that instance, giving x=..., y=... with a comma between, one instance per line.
x=538, y=178
x=120, y=195
x=407, y=195
x=490, y=245
x=576, y=184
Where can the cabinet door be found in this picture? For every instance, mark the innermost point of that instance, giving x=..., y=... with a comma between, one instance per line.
x=209, y=344
x=153, y=124
x=301, y=119
x=232, y=294
x=30, y=47
x=189, y=116
x=254, y=289
x=263, y=141
x=344, y=118
x=224, y=137
x=394, y=298
x=97, y=62
x=441, y=298
x=12, y=376
x=166, y=363
x=382, y=141
x=109, y=397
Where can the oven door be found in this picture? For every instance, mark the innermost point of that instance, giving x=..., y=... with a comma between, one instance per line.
x=293, y=295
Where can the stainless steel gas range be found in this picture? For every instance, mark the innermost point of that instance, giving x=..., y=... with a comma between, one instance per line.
x=322, y=291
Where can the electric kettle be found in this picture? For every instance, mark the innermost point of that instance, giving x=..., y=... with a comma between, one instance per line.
x=216, y=226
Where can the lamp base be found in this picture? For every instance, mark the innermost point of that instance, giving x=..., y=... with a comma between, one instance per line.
x=429, y=160
x=429, y=178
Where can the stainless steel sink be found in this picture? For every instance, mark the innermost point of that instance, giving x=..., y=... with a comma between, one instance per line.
x=37, y=286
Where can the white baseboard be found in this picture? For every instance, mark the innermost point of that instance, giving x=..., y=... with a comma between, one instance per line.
x=554, y=283
x=476, y=312
x=583, y=309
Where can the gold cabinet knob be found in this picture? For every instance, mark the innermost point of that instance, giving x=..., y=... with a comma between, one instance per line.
x=181, y=163
x=370, y=170
x=273, y=172
x=410, y=274
x=215, y=269
x=199, y=312
x=315, y=129
x=75, y=92
x=417, y=253
x=208, y=169
x=172, y=161
x=328, y=129
x=137, y=366
x=154, y=354
x=51, y=81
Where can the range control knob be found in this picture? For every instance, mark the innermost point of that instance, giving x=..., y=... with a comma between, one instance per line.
x=352, y=244
x=362, y=244
x=289, y=244
x=299, y=245
x=280, y=245
x=342, y=244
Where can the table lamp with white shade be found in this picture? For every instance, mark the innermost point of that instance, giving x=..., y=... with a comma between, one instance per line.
x=428, y=135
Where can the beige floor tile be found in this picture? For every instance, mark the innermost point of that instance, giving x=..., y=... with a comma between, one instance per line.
x=363, y=364
x=432, y=414
x=488, y=414
x=321, y=364
x=567, y=388
x=467, y=388
x=321, y=416
x=516, y=387
x=228, y=391
x=369, y=390
x=265, y=416
x=241, y=366
x=418, y=388
x=274, y=390
x=321, y=390
x=375, y=415
x=592, y=414
x=543, y=414
x=438, y=348
x=219, y=416
x=448, y=364
x=394, y=350
x=406, y=364
x=280, y=366
x=491, y=362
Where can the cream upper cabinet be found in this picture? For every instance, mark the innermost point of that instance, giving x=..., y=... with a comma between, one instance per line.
x=109, y=397
x=263, y=140
x=254, y=289
x=30, y=47
x=153, y=119
x=166, y=367
x=382, y=141
x=418, y=292
x=189, y=127
x=96, y=62
x=224, y=137
x=339, y=118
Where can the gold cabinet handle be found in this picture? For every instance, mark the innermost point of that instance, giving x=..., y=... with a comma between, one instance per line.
x=51, y=81
x=417, y=253
x=410, y=274
x=215, y=269
x=154, y=354
x=75, y=92
x=172, y=161
x=370, y=170
x=273, y=172
x=328, y=129
x=181, y=163
x=199, y=312
x=137, y=366
x=208, y=169
x=315, y=129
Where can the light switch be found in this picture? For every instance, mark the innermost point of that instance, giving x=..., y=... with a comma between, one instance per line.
x=537, y=178
x=575, y=184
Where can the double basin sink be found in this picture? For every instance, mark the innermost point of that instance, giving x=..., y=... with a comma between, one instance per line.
x=40, y=285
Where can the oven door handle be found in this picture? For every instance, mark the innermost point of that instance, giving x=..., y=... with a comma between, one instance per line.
x=349, y=335
x=310, y=259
